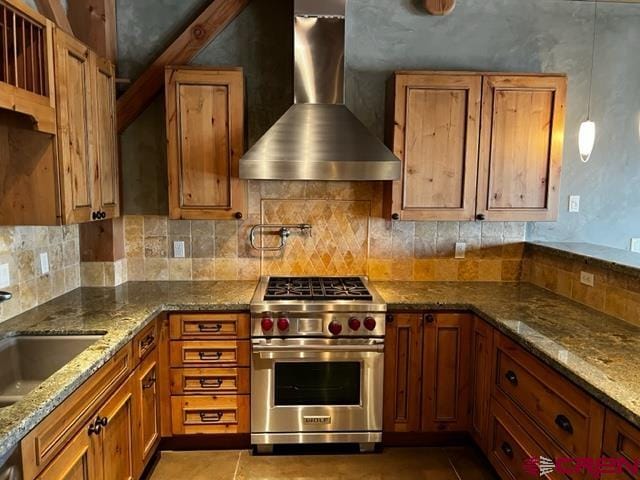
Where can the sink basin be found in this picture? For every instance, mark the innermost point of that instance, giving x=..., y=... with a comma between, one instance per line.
x=29, y=360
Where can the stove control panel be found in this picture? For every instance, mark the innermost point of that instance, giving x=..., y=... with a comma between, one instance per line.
x=283, y=324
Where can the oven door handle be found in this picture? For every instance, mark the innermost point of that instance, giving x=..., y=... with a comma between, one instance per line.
x=283, y=351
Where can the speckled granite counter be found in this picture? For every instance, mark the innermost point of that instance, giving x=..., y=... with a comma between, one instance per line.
x=596, y=351
x=117, y=313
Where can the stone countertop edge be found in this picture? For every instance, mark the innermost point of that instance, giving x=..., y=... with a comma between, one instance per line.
x=622, y=261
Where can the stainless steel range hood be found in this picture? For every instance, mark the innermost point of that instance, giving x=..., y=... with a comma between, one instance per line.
x=318, y=138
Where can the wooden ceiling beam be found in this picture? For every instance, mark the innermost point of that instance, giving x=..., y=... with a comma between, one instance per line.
x=54, y=11
x=94, y=23
x=202, y=31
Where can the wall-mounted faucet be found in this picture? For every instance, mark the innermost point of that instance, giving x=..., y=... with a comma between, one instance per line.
x=284, y=231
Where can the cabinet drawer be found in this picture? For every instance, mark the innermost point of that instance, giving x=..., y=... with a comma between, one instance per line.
x=566, y=413
x=210, y=414
x=189, y=381
x=510, y=447
x=208, y=325
x=210, y=353
x=621, y=440
x=145, y=340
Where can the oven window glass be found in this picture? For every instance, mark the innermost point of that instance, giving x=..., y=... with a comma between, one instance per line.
x=317, y=383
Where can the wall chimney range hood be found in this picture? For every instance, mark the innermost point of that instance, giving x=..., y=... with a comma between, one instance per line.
x=318, y=138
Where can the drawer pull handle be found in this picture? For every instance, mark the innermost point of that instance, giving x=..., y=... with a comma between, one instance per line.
x=210, y=383
x=210, y=355
x=564, y=424
x=149, y=383
x=208, y=417
x=506, y=448
x=512, y=377
x=206, y=328
x=147, y=341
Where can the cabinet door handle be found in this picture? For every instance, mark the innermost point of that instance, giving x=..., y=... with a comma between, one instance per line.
x=206, y=328
x=512, y=377
x=428, y=318
x=506, y=448
x=209, y=355
x=389, y=318
x=147, y=341
x=95, y=215
x=480, y=216
x=208, y=417
x=238, y=215
x=94, y=429
x=395, y=216
x=102, y=421
x=564, y=423
x=210, y=383
x=149, y=382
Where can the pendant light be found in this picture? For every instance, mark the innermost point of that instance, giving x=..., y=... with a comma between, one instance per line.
x=587, y=133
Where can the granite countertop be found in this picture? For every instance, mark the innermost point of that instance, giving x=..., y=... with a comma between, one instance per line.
x=598, y=352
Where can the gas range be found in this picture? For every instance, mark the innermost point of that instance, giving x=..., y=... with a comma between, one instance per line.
x=317, y=307
x=317, y=361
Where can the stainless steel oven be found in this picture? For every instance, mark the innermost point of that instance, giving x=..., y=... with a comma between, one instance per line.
x=316, y=390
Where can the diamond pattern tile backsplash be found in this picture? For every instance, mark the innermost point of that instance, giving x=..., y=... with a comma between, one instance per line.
x=349, y=236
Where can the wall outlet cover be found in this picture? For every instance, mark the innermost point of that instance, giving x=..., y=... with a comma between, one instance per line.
x=587, y=278
x=635, y=245
x=461, y=248
x=178, y=249
x=44, y=263
x=5, y=278
x=574, y=203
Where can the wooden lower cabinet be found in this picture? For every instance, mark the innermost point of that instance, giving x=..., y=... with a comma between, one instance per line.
x=77, y=461
x=481, y=369
x=147, y=415
x=427, y=372
x=622, y=442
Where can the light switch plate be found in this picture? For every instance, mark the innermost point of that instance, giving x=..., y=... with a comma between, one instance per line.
x=44, y=263
x=635, y=245
x=178, y=249
x=574, y=203
x=5, y=278
x=586, y=278
x=461, y=248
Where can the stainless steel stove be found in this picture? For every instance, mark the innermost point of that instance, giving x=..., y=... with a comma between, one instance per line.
x=317, y=361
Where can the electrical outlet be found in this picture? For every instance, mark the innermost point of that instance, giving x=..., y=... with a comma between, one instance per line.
x=5, y=278
x=635, y=245
x=44, y=263
x=461, y=248
x=586, y=278
x=574, y=203
x=178, y=249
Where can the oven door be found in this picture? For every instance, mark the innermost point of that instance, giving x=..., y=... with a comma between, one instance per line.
x=316, y=385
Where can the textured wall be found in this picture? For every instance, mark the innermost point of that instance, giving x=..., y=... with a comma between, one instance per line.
x=384, y=35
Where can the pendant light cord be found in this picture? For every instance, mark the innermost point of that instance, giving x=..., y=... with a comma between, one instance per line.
x=593, y=56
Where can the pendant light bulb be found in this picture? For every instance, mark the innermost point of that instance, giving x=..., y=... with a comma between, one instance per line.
x=586, y=139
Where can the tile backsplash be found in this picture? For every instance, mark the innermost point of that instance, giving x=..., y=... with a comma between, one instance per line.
x=349, y=237
x=20, y=249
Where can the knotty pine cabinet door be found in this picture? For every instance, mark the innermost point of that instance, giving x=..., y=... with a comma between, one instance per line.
x=521, y=147
x=434, y=129
x=446, y=371
x=481, y=372
x=148, y=414
x=205, y=130
x=402, y=373
x=76, y=142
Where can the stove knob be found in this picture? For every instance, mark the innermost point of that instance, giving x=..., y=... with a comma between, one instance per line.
x=267, y=324
x=354, y=323
x=370, y=323
x=335, y=328
x=283, y=324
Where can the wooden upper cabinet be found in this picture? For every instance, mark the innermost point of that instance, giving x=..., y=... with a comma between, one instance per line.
x=76, y=148
x=521, y=147
x=434, y=131
x=205, y=130
x=87, y=152
x=106, y=144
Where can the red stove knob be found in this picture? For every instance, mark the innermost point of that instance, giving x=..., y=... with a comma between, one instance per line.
x=369, y=323
x=267, y=323
x=283, y=324
x=335, y=328
x=354, y=323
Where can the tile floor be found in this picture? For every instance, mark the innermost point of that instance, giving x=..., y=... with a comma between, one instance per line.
x=437, y=463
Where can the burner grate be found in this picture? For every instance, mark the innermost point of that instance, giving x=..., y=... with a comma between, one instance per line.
x=316, y=288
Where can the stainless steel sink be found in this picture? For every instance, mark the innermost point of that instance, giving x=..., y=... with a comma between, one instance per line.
x=29, y=360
